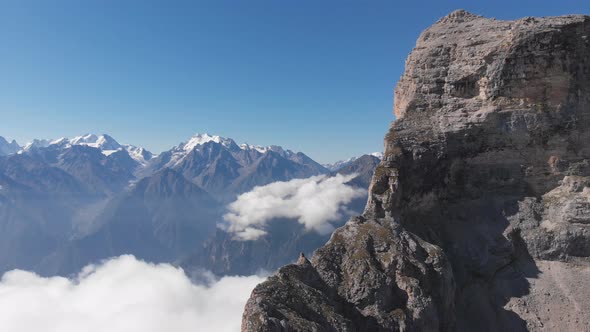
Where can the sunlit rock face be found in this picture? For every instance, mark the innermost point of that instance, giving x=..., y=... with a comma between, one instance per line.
x=479, y=214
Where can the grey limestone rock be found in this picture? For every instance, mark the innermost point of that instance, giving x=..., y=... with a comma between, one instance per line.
x=478, y=217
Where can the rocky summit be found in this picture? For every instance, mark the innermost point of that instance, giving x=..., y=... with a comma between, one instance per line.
x=478, y=216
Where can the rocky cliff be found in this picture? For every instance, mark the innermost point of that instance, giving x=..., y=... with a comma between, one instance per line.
x=478, y=216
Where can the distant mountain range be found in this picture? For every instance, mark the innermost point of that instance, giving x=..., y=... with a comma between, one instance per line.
x=225, y=169
x=68, y=202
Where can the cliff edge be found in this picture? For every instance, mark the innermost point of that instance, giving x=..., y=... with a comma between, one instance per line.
x=478, y=216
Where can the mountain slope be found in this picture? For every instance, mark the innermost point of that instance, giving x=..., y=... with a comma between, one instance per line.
x=160, y=218
x=37, y=204
x=342, y=163
x=363, y=166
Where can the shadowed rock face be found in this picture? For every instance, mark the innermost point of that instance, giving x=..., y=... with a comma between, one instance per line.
x=479, y=214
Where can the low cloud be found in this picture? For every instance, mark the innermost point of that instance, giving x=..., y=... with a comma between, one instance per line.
x=314, y=202
x=122, y=294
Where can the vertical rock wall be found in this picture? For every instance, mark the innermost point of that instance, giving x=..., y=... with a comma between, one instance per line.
x=479, y=215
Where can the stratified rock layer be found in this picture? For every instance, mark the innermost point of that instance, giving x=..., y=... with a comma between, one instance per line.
x=479, y=214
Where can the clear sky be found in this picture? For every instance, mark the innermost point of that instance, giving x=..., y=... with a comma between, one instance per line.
x=311, y=75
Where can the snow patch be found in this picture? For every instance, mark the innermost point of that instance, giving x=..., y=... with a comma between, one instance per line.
x=37, y=143
x=102, y=142
x=261, y=149
x=200, y=139
x=109, y=152
x=105, y=143
x=138, y=154
x=183, y=149
x=377, y=154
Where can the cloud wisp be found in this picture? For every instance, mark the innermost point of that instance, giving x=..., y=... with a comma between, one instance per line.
x=122, y=294
x=314, y=202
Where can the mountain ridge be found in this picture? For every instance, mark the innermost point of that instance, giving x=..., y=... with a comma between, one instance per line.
x=102, y=189
x=334, y=167
x=108, y=144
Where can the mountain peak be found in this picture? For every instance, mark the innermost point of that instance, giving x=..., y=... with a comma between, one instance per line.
x=59, y=141
x=103, y=142
x=342, y=163
x=459, y=16
x=87, y=138
x=200, y=139
x=37, y=143
x=8, y=148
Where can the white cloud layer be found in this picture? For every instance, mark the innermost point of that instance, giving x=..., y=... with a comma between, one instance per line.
x=122, y=294
x=314, y=202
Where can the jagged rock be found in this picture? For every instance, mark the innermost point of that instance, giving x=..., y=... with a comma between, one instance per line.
x=479, y=214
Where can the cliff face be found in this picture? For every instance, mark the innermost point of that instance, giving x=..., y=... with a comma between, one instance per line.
x=478, y=216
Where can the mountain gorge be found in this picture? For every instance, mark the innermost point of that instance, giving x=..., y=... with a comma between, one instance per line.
x=477, y=218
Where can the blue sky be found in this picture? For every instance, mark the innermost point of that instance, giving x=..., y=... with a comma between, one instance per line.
x=310, y=75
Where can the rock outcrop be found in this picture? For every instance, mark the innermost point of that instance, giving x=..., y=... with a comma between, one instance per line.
x=478, y=216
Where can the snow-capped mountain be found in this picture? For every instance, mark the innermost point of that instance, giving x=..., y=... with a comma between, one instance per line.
x=139, y=154
x=179, y=152
x=342, y=163
x=200, y=139
x=8, y=148
x=225, y=169
x=98, y=162
x=105, y=143
x=109, y=145
x=37, y=143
